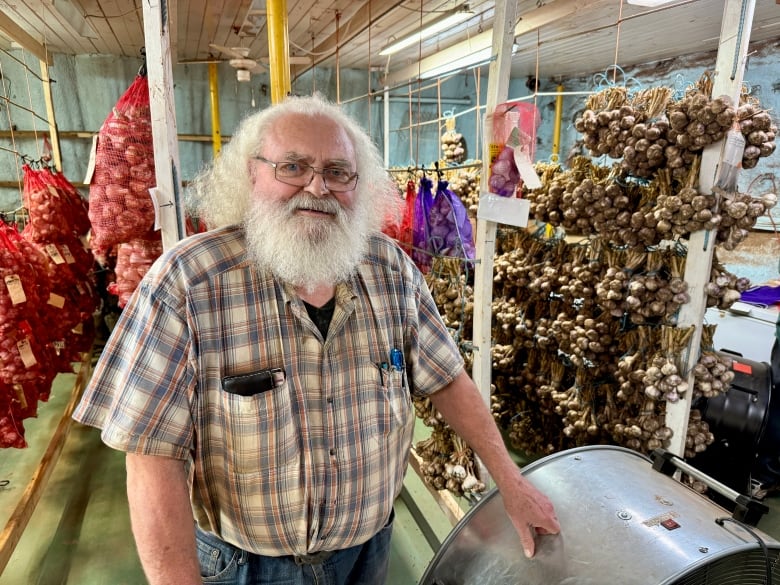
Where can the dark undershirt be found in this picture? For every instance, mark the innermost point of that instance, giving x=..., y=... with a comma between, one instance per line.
x=321, y=316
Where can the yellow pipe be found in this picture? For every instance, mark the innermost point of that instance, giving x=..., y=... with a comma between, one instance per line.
x=278, y=49
x=556, y=146
x=216, y=134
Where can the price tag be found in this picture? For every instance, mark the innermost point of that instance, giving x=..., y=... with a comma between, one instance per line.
x=20, y=395
x=69, y=258
x=527, y=170
x=507, y=210
x=53, y=191
x=156, y=196
x=78, y=329
x=54, y=254
x=26, y=353
x=15, y=289
x=58, y=346
x=91, y=163
x=56, y=300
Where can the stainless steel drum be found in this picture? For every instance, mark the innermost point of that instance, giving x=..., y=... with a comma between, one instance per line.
x=622, y=523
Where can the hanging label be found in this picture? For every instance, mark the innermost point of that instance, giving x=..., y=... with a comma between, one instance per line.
x=53, y=190
x=54, y=254
x=69, y=258
x=20, y=395
x=91, y=163
x=56, y=300
x=58, y=346
x=78, y=329
x=506, y=210
x=526, y=169
x=15, y=289
x=156, y=195
x=26, y=353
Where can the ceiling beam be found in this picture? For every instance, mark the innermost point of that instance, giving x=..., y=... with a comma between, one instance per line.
x=530, y=21
x=363, y=18
x=17, y=34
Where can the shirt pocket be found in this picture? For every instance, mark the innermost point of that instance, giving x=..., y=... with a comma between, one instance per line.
x=260, y=432
x=384, y=400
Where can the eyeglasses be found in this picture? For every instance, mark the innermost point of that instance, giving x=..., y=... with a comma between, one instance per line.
x=300, y=174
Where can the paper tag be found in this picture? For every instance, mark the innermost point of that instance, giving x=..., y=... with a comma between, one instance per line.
x=156, y=195
x=91, y=163
x=78, y=329
x=25, y=352
x=507, y=210
x=15, y=289
x=58, y=346
x=66, y=254
x=56, y=300
x=20, y=395
x=526, y=169
x=54, y=254
x=53, y=190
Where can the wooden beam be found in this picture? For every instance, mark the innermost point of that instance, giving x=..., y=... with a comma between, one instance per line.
x=18, y=34
x=727, y=80
x=54, y=138
x=170, y=213
x=530, y=21
x=444, y=498
x=363, y=18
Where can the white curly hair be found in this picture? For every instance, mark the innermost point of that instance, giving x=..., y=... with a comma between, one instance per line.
x=220, y=193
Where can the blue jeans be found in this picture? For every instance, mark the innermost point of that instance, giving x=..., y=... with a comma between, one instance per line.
x=364, y=564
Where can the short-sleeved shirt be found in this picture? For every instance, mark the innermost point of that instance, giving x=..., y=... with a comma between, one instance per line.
x=312, y=464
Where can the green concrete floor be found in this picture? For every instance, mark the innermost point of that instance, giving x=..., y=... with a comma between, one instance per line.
x=79, y=533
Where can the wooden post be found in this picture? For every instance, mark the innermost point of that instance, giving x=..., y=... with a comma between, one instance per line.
x=485, y=239
x=729, y=69
x=54, y=136
x=170, y=216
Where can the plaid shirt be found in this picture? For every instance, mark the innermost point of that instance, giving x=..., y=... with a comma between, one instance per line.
x=313, y=464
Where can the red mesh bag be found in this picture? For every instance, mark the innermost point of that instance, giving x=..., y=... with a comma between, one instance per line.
x=11, y=427
x=120, y=207
x=132, y=262
x=78, y=207
x=50, y=216
x=407, y=222
x=24, y=282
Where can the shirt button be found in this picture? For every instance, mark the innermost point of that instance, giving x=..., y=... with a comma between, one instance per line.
x=330, y=400
x=332, y=451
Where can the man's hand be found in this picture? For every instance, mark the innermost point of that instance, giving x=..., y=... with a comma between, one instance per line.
x=530, y=511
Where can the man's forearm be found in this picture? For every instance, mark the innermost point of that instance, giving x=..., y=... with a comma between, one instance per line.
x=162, y=520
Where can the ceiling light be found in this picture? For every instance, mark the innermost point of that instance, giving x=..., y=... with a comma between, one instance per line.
x=448, y=20
x=474, y=59
x=74, y=18
x=649, y=3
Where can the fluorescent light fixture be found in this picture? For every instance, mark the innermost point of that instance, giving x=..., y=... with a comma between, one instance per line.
x=74, y=18
x=649, y=3
x=474, y=59
x=449, y=19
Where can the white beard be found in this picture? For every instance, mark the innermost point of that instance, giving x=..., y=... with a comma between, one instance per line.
x=306, y=251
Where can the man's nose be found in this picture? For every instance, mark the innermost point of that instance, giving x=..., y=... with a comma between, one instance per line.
x=317, y=184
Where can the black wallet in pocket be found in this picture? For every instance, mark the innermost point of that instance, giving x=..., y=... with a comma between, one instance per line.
x=254, y=383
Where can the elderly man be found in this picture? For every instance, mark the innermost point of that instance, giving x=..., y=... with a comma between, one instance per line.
x=260, y=379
